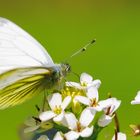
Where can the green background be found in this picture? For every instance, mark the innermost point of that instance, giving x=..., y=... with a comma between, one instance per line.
x=63, y=26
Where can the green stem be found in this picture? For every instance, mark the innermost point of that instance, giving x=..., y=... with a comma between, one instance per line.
x=61, y=128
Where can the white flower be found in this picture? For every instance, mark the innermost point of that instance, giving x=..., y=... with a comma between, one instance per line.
x=86, y=81
x=79, y=127
x=112, y=105
x=137, y=99
x=120, y=136
x=43, y=137
x=92, y=99
x=57, y=108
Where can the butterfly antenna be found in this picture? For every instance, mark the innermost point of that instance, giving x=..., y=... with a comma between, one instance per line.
x=83, y=49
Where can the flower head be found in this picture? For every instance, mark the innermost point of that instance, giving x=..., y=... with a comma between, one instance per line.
x=57, y=108
x=86, y=81
x=79, y=127
x=91, y=99
x=110, y=106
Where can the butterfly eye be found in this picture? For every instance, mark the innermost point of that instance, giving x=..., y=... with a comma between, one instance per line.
x=68, y=68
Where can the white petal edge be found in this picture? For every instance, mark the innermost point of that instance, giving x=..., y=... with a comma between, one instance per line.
x=59, y=117
x=87, y=117
x=115, y=105
x=86, y=78
x=55, y=100
x=138, y=96
x=121, y=136
x=92, y=93
x=71, y=121
x=95, y=83
x=87, y=132
x=66, y=102
x=45, y=116
x=137, y=99
x=134, y=102
x=72, y=135
x=58, y=136
x=73, y=84
x=104, y=120
x=83, y=100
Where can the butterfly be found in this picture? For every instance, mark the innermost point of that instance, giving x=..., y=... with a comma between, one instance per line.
x=26, y=68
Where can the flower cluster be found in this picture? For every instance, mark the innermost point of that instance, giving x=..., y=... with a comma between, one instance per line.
x=71, y=112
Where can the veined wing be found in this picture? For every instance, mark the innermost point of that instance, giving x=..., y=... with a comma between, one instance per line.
x=19, y=85
x=18, y=49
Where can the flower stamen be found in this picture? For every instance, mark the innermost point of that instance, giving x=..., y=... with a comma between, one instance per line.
x=57, y=110
x=94, y=102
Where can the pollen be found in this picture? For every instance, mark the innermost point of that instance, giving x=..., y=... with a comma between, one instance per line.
x=57, y=110
x=72, y=91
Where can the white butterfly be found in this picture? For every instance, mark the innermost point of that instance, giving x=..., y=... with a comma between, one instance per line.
x=25, y=66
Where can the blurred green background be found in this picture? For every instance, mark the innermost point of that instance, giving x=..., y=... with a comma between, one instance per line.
x=63, y=26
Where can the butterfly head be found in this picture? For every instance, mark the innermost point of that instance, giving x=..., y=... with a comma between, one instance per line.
x=66, y=68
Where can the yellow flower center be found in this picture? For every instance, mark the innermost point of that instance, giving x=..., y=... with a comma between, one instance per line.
x=72, y=91
x=57, y=110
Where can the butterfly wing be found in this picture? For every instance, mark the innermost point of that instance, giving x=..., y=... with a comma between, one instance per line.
x=19, y=85
x=18, y=49
x=23, y=63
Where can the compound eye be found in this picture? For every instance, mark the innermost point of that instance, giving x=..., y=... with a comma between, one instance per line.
x=68, y=68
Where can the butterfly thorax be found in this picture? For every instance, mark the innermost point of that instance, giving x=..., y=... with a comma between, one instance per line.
x=55, y=77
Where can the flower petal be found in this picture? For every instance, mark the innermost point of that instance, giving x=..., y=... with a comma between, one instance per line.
x=45, y=116
x=43, y=137
x=85, y=78
x=55, y=100
x=92, y=93
x=137, y=99
x=58, y=136
x=96, y=108
x=115, y=105
x=95, y=83
x=87, y=117
x=134, y=102
x=105, y=103
x=59, y=117
x=120, y=136
x=87, y=132
x=83, y=100
x=104, y=120
x=66, y=102
x=73, y=84
x=71, y=135
x=71, y=121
